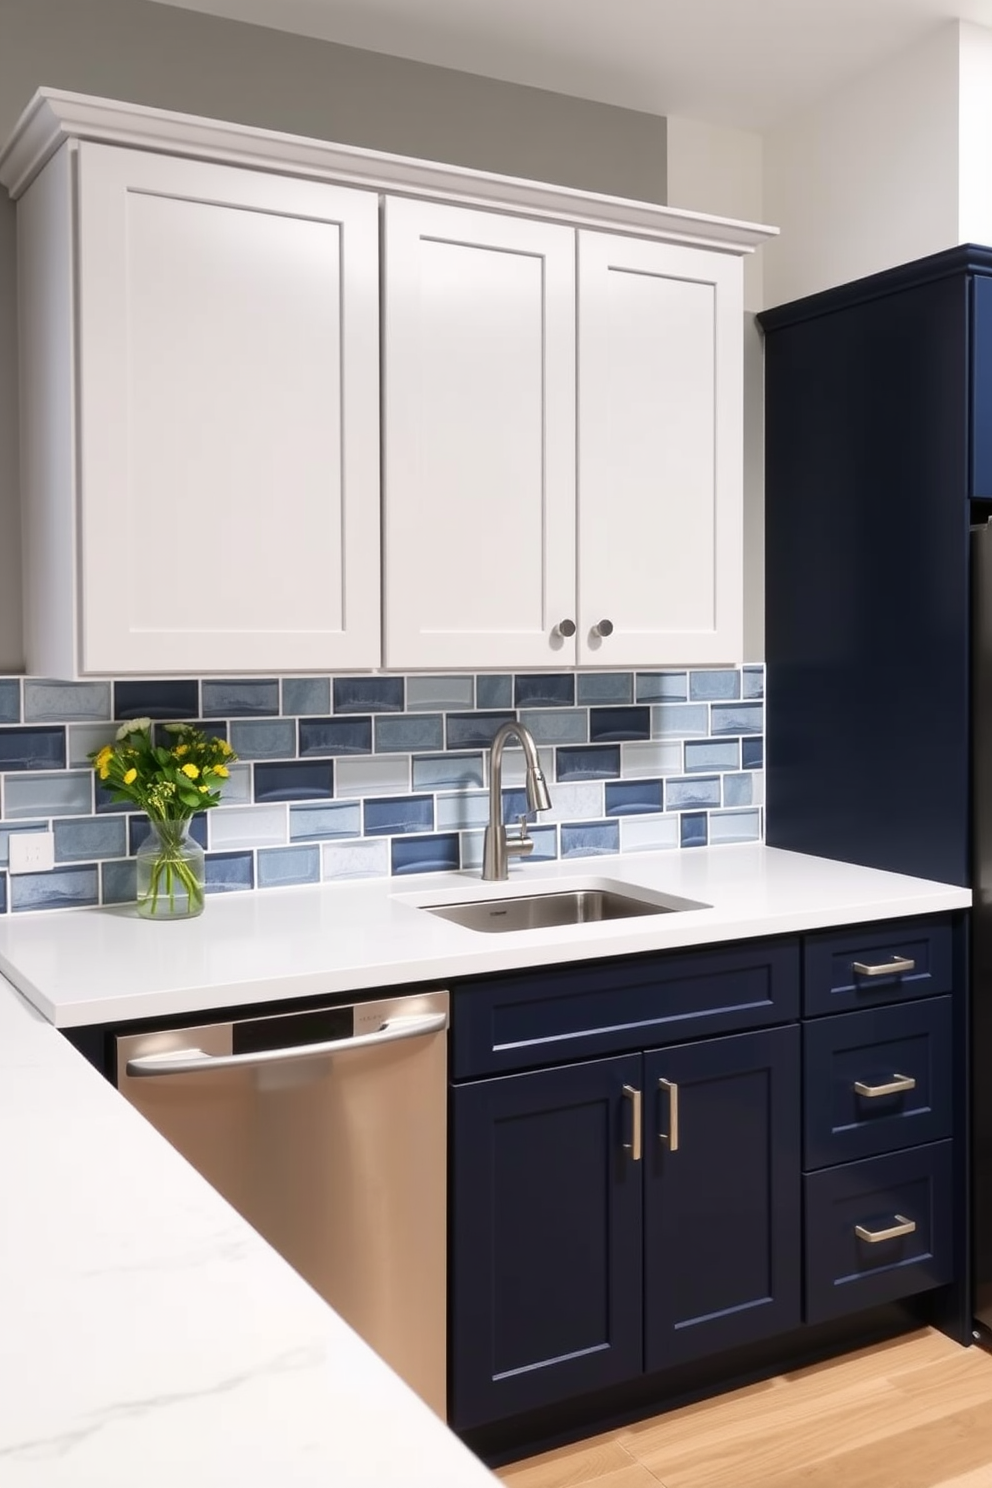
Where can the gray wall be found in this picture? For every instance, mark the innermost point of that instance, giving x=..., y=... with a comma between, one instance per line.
x=178, y=59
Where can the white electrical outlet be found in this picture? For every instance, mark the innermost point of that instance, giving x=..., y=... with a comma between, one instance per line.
x=31, y=852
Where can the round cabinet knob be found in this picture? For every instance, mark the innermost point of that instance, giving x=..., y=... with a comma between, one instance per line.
x=603, y=629
x=565, y=628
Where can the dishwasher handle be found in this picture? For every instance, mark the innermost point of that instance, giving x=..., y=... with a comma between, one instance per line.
x=192, y=1061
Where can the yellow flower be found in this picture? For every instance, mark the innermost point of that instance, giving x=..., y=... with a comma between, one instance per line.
x=180, y=750
x=222, y=771
x=225, y=748
x=104, y=771
x=104, y=757
x=204, y=790
x=191, y=770
x=132, y=774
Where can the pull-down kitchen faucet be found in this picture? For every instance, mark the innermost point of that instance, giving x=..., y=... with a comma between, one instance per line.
x=497, y=846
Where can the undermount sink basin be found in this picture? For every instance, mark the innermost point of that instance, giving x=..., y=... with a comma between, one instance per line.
x=559, y=907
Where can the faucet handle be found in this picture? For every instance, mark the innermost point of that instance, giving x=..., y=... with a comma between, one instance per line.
x=523, y=843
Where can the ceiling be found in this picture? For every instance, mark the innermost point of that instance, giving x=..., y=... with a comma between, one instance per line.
x=748, y=64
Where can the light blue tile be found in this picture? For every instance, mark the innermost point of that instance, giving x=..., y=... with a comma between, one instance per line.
x=85, y=737
x=391, y=814
x=236, y=790
x=3, y=893
x=493, y=690
x=468, y=809
x=572, y=801
x=60, y=793
x=377, y=775
x=545, y=844
x=229, y=873
x=247, y=826
x=604, y=687
x=264, y=739
x=238, y=697
x=7, y=831
x=439, y=694
x=544, y=690
x=735, y=826
x=515, y=770
x=81, y=839
x=662, y=687
x=471, y=852
x=589, y=839
x=557, y=725
x=406, y=732
x=707, y=755
x=693, y=829
x=306, y=695
x=754, y=682
x=683, y=720
x=118, y=879
x=65, y=888
x=650, y=759
x=368, y=694
x=10, y=700
x=649, y=833
x=336, y=819
x=738, y=790
x=424, y=854
x=696, y=791
x=744, y=718
x=718, y=684
x=65, y=702
x=363, y=859
x=446, y=771
x=281, y=866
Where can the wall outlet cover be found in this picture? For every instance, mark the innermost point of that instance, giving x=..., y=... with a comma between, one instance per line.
x=31, y=852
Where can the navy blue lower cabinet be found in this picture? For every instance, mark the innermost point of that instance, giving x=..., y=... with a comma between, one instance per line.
x=723, y=1243
x=546, y=1239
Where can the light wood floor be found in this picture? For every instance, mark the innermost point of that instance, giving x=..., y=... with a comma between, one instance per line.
x=915, y=1413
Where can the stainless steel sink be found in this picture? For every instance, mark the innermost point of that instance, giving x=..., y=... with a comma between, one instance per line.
x=559, y=907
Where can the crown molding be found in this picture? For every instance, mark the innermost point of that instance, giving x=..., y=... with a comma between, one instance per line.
x=54, y=117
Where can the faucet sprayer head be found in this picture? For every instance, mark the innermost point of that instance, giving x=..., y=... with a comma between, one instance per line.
x=537, y=790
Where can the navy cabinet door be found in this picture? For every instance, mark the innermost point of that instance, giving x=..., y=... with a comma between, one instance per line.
x=722, y=1194
x=545, y=1238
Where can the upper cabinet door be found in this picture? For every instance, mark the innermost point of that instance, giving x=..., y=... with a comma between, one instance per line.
x=660, y=453
x=479, y=438
x=228, y=418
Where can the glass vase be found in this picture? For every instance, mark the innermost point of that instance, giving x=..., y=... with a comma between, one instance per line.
x=170, y=872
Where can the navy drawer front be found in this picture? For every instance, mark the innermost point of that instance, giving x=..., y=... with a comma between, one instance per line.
x=834, y=984
x=567, y=1013
x=908, y=1191
x=901, y=1057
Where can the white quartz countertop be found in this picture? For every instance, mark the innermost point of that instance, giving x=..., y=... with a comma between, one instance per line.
x=101, y=965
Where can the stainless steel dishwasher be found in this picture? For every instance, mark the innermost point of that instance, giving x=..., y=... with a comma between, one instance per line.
x=326, y=1130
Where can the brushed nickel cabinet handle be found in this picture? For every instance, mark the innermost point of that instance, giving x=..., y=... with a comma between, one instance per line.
x=902, y=1226
x=603, y=629
x=634, y=1145
x=895, y=967
x=565, y=628
x=672, y=1134
x=891, y=1087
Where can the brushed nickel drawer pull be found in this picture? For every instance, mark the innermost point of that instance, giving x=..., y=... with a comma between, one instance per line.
x=672, y=1135
x=897, y=1083
x=903, y=1226
x=634, y=1145
x=895, y=967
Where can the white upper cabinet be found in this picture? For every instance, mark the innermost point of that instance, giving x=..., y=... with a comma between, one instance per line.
x=478, y=436
x=219, y=499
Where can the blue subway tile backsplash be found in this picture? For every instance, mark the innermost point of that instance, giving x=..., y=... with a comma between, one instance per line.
x=369, y=776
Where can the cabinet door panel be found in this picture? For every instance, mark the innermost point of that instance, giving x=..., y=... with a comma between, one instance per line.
x=546, y=1238
x=229, y=482
x=660, y=462
x=722, y=1211
x=479, y=437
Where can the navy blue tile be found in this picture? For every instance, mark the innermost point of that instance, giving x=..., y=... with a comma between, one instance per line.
x=228, y=872
x=736, y=718
x=425, y=854
x=628, y=797
x=3, y=893
x=493, y=690
x=609, y=724
x=662, y=687
x=754, y=681
x=593, y=763
x=698, y=790
x=724, y=685
x=388, y=814
x=752, y=754
x=604, y=687
x=104, y=802
x=10, y=701
x=306, y=695
x=692, y=829
x=589, y=839
x=32, y=748
x=157, y=699
x=368, y=694
x=327, y=736
x=302, y=780
x=408, y=732
x=138, y=830
x=544, y=690
x=65, y=888
x=470, y=730
x=241, y=698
